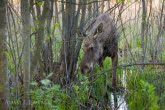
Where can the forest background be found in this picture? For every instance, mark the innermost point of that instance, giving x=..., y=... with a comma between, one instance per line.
x=40, y=54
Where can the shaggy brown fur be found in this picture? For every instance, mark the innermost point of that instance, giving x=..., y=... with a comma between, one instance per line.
x=102, y=41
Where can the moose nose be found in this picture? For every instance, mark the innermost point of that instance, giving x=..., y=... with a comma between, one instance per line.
x=86, y=69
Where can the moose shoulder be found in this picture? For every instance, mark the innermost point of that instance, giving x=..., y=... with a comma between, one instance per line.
x=101, y=41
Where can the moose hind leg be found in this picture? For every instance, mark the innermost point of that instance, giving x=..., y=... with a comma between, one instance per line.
x=113, y=72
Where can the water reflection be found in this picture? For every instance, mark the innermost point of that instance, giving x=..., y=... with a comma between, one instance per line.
x=118, y=101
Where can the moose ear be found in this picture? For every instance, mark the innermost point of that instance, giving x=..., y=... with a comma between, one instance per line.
x=100, y=28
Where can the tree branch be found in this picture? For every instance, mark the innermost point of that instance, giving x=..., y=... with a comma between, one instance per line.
x=149, y=63
x=80, y=3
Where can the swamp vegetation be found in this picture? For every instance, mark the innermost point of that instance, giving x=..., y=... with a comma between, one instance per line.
x=41, y=49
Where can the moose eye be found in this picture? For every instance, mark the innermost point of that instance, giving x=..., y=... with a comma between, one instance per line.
x=91, y=48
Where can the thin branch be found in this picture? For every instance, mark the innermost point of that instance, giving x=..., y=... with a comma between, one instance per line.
x=149, y=63
x=80, y=3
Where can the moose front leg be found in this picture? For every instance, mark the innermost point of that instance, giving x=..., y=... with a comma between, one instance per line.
x=114, y=67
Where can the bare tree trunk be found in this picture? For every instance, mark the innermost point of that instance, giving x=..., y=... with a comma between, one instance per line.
x=102, y=7
x=79, y=39
x=39, y=38
x=25, y=13
x=96, y=9
x=3, y=60
x=89, y=11
x=69, y=46
x=160, y=32
x=56, y=15
x=49, y=42
x=143, y=30
x=68, y=39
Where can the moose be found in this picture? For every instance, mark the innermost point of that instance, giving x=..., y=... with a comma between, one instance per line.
x=101, y=41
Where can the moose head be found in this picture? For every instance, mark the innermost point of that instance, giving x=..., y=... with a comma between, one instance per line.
x=93, y=50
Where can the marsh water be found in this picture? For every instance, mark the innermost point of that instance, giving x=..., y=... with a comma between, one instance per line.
x=118, y=102
x=117, y=99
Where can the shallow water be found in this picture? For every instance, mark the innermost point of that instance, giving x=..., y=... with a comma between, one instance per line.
x=117, y=100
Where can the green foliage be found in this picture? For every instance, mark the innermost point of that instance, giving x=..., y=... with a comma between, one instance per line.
x=39, y=3
x=45, y=82
x=57, y=24
x=47, y=38
x=163, y=56
x=143, y=91
x=142, y=87
x=138, y=42
x=120, y=1
x=48, y=96
x=11, y=63
x=43, y=97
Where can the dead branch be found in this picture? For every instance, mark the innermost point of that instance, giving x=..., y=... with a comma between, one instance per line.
x=136, y=64
x=80, y=3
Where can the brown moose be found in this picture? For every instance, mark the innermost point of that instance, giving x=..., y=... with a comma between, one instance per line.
x=101, y=41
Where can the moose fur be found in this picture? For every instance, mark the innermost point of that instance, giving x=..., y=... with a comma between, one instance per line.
x=101, y=41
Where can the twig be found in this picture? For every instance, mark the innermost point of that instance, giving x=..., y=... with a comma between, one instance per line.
x=136, y=64
x=80, y=3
